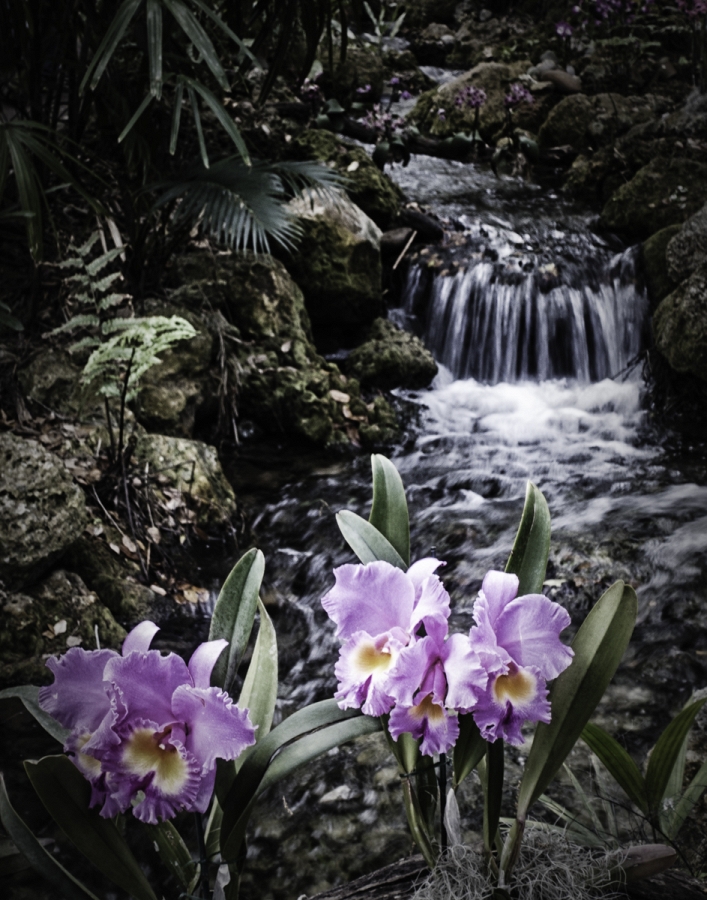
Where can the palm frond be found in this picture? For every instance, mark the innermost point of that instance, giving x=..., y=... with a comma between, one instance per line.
x=244, y=206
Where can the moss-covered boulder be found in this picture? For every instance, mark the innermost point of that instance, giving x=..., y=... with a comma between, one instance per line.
x=52, y=379
x=680, y=325
x=687, y=250
x=42, y=511
x=172, y=392
x=587, y=123
x=193, y=469
x=48, y=619
x=495, y=78
x=665, y=192
x=338, y=267
x=392, y=358
x=369, y=188
x=655, y=267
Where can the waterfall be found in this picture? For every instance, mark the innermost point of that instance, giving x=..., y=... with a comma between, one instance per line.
x=496, y=323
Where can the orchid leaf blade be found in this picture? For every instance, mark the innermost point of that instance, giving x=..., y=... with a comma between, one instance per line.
x=598, y=647
x=666, y=754
x=259, y=692
x=494, y=792
x=66, y=794
x=692, y=794
x=531, y=547
x=366, y=541
x=389, y=512
x=40, y=860
x=469, y=749
x=175, y=854
x=619, y=764
x=234, y=614
x=29, y=695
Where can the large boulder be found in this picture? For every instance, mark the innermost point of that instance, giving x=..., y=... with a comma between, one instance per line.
x=47, y=619
x=688, y=248
x=338, y=267
x=665, y=192
x=655, y=267
x=369, y=188
x=51, y=378
x=495, y=79
x=192, y=469
x=392, y=358
x=680, y=325
x=587, y=123
x=42, y=511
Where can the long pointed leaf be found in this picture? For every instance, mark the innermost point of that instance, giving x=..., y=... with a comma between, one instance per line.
x=176, y=116
x=44, y=863
x=694, y=791
x=135, y=116
x=111, y=39
x=199, y=130
x=528, y=559
x=243, y=47
x=29, y=695
x=223, y=117
x=154, y=46
x=469, y=749
x=598, y=647
x=494, y=792
x=389, y=512
x=234, y=613
x=622, y=768
x=259, y=692
x=666, y=753
x=175, y=854
x=198, y=37
x=366, y=541
x=66, y=794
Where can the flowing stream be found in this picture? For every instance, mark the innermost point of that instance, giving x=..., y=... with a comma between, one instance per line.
x=536, y=322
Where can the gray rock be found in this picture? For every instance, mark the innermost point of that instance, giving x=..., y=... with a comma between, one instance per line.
x=563, y=81
x=42, y=511
x=688, y=248
x=52, y=379
x=680, y=325
x=392, y=358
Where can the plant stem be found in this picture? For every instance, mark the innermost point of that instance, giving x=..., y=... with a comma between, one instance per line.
x=203, y=860
x=442, y=799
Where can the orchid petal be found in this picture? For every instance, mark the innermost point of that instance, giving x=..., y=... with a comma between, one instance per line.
x=374, y=598
x=145, y=683
x=140, y=638
x=363, y=668
x=432, y=608
x=467, y=678
x=529, y=628
x=512, y=698
x=421, y=570
x=438, y=728
x=410, y=669
x=78, y=697
x=499, y=588
x=217, y=728
x=203, y=660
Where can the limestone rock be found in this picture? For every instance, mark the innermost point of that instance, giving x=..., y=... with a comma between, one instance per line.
x=665, y=192
x=562, y=81
x=655, y=267
x=337, y=265
x=680, y=325
x=392, y=358
x=48, y=619
x=587, y=123
x=52, y=379
x=42, y=511
x=193, y=468
x=688, y=248
x=369, y=188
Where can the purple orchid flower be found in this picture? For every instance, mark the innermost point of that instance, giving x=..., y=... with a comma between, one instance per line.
x=144, y=722
x=363, y=90
x=406, y=95
x=378, y=610
x=517, y=95
x=563, y=29
x=518, y=641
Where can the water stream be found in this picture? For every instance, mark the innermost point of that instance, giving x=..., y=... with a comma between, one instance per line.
x=530, y=314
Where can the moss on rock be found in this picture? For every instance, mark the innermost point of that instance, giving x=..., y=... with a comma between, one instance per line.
x=658, y=281
x=392, y=358
x=680, y=325
x=587, y=123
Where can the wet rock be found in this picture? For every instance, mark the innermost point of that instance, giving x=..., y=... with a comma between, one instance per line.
x=562, y=81
x=587, y=123
x=48, y=619
x=42, y=511
x=664, y=192
x=680, y=325
x=655, y=267
x=495, y=79
x=173, y=391
x=338, y=266
x=688, y=248
x=392, y=358
x=394, y=241
x=367, y=186
x=52, y=379
x=193, y=469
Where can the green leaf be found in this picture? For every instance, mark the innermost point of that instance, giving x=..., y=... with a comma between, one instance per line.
x=620, y=765
x=691, y=796
x=175, y=854
x=176, y=116
x=234, y=614
x=666, y=754
x=580, y=833
x=469, y=749
x=531, y=547
x=223, y=117
x=29, y=695
x=199, y=129
x=366, y=541
x=44, y=863
x=66, y=795
x=389, y=512
x=242, y=46
x=198, y=37
x=154, y=46
x=111, y=39
x=135, y=116
x=598, y=647
x=494, y=792
x=415, y=820
x=259, y=692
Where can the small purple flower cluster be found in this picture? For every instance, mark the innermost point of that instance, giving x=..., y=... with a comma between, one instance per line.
x=396, y=84
x=471, y=97
x=145, y=727
x=563, y=29
x=442, y=114
x=606, y=12
x=382, y=121
x=397, y=657
x=310, y=90
x=366, y=89
x=692, y=8
x=518, y=94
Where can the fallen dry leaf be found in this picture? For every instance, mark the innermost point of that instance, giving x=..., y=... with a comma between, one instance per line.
x=339, y=396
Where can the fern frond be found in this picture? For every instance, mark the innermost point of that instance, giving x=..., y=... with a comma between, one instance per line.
x=95, y=266
x=84, y=250
x=84, y=344
x=81, y=321
x=111, y=300
x=104, y=283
